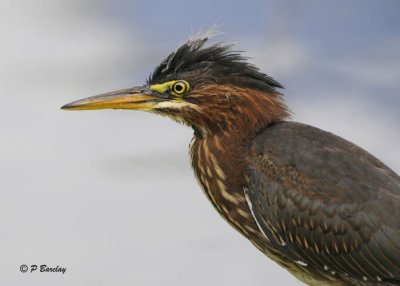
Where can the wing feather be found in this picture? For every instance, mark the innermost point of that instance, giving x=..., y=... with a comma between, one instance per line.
x=324, y=202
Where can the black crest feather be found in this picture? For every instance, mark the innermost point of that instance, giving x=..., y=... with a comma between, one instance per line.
x=216, y=63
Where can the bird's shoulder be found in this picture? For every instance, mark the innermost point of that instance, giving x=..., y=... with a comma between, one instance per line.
x=325, y=159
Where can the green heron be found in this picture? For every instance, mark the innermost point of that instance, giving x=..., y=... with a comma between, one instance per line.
x=318, y=205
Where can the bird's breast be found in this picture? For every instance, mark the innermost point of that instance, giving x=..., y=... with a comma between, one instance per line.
x=221, y=174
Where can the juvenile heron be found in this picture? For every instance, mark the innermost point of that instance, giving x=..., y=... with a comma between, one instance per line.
x=318, y=205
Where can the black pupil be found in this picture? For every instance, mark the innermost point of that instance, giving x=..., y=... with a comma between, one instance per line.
x=179, y=87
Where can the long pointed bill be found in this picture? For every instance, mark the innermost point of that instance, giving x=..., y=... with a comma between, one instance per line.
x=131, y=98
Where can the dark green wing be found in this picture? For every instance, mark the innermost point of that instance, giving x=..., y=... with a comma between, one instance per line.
x=325, y=203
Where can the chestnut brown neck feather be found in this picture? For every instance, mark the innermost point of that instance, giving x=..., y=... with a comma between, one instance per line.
x=237, y=109
x=220, y=144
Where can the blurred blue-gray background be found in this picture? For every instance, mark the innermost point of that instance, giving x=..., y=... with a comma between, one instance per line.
x=110, y=195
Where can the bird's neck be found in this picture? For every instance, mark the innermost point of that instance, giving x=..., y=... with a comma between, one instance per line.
x=219, y=162
x=219, y=148
x=241, y=113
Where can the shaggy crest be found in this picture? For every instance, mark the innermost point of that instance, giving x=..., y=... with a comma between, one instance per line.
x=217, y=60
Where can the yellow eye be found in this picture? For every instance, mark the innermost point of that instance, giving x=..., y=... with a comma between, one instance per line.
x=180, y=87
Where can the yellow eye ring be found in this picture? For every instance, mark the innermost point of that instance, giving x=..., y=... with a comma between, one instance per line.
x=180, y=87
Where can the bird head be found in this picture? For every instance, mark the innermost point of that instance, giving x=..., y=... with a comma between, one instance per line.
x=210, y=88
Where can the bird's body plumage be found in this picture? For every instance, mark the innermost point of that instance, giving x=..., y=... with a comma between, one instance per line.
x=318, y=205
x=310, y=204
x=327, y=204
